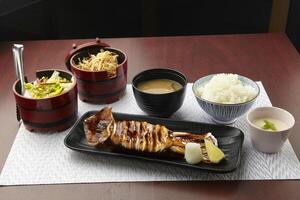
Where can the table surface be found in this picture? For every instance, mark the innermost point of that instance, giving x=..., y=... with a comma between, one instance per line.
x=269, y=57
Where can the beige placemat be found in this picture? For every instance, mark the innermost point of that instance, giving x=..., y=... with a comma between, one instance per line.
x=43, y=159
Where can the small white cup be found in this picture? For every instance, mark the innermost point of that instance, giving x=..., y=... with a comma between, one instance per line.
x=269, y=141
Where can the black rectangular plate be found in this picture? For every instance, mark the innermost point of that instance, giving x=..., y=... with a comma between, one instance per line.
x=230, y=141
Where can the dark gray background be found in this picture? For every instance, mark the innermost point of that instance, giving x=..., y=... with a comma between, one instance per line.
x=60, y=19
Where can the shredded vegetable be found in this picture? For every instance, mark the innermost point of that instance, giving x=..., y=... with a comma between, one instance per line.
x=102, y=61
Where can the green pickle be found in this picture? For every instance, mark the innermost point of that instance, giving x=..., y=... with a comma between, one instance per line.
x=269, y=125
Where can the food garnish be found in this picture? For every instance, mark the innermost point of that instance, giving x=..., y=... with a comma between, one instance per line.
x=47, y=87
x=269, y=125
x=215, y=154
x=193, y=153
x=102, y=129
x=102, y=61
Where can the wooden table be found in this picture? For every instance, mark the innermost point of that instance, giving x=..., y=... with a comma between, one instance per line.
x=270, y=58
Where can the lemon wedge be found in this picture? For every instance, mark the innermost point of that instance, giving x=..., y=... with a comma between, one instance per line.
x=215, y=154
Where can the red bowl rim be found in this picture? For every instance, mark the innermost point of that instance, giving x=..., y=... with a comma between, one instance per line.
x=21, y=96
x=119, y=65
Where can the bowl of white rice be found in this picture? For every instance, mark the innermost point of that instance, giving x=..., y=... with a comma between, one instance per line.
x=225, y=97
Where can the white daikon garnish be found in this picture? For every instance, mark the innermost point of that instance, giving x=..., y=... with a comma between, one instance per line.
x=193, y=153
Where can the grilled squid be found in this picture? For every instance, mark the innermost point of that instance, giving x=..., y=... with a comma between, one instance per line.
x=141, y=136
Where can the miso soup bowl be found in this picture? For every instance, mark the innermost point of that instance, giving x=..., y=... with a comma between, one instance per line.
x=98, y=86
x=159, y=105
x=51, y=114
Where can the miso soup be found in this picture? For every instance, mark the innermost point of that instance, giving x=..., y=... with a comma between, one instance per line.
x=159, y=86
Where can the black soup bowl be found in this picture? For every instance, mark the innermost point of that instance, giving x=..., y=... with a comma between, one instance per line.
x=159, y=105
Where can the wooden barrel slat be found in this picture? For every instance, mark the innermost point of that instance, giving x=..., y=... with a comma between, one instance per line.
x=48, y=116
x=103, y=99
x=93, y=89
x=53, y=128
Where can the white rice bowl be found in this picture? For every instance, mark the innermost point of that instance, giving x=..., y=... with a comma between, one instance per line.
x=226, y=89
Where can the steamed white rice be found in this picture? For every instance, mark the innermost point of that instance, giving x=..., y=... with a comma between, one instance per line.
x=226, y=89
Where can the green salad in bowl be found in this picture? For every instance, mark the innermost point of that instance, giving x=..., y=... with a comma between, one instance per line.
x=48, y=87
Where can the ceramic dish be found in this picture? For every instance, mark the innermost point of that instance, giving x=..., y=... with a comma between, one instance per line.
x=230, y=141
x=225, y=113
x=265, y=140
x=50, y=114
x=98, y=86
x=159, y=105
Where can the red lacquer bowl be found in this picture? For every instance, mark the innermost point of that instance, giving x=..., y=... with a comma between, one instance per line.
x=51, y=114
x=98, y=87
